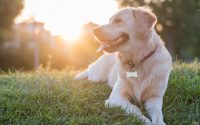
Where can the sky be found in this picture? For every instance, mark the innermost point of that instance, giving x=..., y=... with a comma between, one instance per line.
x=65, y=17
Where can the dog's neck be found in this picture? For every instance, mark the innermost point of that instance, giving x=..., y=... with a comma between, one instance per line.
x=139, y=54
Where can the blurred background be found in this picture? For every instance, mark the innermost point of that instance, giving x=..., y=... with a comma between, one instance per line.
x=58, y=33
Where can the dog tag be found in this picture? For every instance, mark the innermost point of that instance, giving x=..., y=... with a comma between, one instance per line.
x=131, y=74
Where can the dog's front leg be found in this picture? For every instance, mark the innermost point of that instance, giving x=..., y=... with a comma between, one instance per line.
x=153, y=106
x=118, y=99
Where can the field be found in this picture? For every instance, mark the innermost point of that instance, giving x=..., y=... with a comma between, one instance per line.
x=50, y=97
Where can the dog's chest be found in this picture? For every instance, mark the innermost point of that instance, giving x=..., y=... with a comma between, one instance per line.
x=136, y=81
x=137, y=85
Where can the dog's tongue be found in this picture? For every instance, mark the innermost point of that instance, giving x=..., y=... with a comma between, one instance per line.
x=102, y=47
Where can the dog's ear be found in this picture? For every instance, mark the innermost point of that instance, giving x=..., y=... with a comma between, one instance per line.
x=145, y=20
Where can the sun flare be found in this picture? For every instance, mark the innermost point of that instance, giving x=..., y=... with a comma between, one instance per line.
x=66, y=17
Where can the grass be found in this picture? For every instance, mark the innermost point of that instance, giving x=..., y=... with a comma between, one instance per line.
x=53, y=98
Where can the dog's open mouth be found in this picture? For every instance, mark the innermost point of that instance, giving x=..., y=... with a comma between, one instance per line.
x=110, y=45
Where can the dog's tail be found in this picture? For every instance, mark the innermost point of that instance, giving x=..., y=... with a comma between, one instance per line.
x=82, y=75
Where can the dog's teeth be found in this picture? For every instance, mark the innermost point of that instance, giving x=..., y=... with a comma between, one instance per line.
x=120, y=39
x=107, y=44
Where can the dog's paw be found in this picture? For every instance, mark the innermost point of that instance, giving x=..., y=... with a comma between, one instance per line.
x=159, y=123
x=146, y=121
x=82, y=75
x=107, y=104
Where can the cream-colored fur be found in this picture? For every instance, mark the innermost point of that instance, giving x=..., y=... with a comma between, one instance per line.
x=150, y=85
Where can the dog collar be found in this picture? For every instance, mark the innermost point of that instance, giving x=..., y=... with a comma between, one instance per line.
x=133, y=73
x=132, y=65
x=149, y=55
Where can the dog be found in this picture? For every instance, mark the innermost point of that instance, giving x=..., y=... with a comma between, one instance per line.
x=136, y=63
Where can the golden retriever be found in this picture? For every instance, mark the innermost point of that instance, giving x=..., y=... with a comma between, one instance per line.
x=137, y=65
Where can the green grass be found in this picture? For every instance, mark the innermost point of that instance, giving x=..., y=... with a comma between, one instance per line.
x=53, y=98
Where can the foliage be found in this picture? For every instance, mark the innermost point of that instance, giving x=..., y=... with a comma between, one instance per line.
x=53, y=50
x=178, y=24
x=9, y=9
x=52, y=97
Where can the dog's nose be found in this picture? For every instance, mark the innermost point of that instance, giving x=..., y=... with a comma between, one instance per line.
x=98, y=33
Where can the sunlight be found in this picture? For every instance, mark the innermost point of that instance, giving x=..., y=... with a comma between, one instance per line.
x=66, y=17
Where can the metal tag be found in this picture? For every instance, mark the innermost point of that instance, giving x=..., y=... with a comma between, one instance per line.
x=131, y=74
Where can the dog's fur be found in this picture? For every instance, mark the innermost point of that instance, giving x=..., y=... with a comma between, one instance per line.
x=150, y=85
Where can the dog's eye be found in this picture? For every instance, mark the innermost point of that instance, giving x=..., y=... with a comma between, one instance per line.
x=117, y=21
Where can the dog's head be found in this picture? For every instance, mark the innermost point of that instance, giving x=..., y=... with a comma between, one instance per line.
x=124, y=29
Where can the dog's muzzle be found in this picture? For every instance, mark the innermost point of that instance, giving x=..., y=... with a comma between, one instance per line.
x=111, y=45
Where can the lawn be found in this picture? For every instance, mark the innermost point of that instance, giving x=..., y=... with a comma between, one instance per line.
x=52, y=98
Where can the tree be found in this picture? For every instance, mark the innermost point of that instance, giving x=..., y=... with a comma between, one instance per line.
x=178, y=24
x=9, y=9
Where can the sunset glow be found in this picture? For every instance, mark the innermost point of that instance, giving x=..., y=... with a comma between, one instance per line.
x=65, y=17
